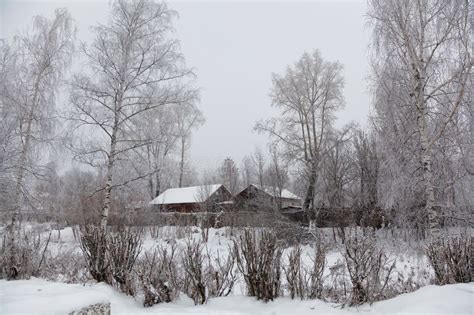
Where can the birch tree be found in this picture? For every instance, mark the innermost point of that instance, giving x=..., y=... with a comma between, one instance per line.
x=308, y=95
x=248, y=171
x=159, y=130
x=258, y=159
x=367, y=165
x=338, y=174
x=134, y=67
x=229, y=175
x=8, y=132
x=427, y=42
x=40, y=58
x=277, y=175
x=188, y=117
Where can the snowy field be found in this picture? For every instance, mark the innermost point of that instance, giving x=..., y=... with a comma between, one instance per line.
x=38, y=296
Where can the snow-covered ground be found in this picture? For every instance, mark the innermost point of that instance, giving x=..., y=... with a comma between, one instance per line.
x=36, y=296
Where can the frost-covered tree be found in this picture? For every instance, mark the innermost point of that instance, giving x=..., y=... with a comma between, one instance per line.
x=133, y=67
x=248, y=172
x=259, y=162
x=188, y=117
x=229, y=175
x=423, y=53
x=307, y=95
x=9, y=149
x=32, y=70
x=155, y=158
x=276, y=174
x=367, y=163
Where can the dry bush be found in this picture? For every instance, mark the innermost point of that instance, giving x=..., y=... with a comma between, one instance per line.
x=368, y=267
x=294, y=274
x=123, y=249
x=205, y=275
x=194, y=272
x=221, y=273
x=158, y=275
x=93, y=244
x=306, y=282
x=154, y=231
x=314, y=279
x=66, y=266
x=28, y=256
x=336, y=291
x=451, y=259
x=258, y=259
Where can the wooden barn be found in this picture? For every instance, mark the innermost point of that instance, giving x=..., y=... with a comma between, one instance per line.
x=255, y=197
x=193, y=199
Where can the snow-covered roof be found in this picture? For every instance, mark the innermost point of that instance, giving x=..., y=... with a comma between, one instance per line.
x=194, y=194
x=285, y=194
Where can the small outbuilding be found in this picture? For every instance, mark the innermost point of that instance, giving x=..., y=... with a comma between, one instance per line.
x=193, y=199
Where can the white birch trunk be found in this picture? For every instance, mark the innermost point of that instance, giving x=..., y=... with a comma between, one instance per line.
x=181, y=163
x=109, y=177
x=426, y=160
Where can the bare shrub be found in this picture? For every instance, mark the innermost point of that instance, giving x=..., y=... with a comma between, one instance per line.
x=314, y=282
x=368, y=267
x=93, y=244
x=451, y=259
x=205, y=275
x=67, y=267
x=306, y=282
x=258, y=259
x=157, y=275
x=221, y=274
x=337, y=289
x=123, y=249
x=29, y=254
x=154, y=231
x=194, y=272
x=294, y=274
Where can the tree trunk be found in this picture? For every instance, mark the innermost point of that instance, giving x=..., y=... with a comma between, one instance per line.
x=14, y=229
x=433, y=216
x=309, y=197
x=151, y=186
x=158, y=184
x=181, y=164
x=422, y=114
x=109, y=177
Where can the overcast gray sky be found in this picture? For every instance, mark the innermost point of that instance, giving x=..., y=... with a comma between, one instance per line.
x=234, y=46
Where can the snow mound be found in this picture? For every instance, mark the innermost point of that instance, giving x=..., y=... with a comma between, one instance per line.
x=38, y=296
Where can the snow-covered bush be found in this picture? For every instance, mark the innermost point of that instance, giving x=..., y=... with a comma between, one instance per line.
x=194, y=272
x=66, y=266
x=336, y=290
x=368, y=267
x=93, y=244
x=258, y=259
x=294, y=274
x=314, y=277
x=206, y=275
x=158, y=275
x=305, y=281
x=222, y=276
x=123, y=248
x=26, y=257
x=451, y=259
